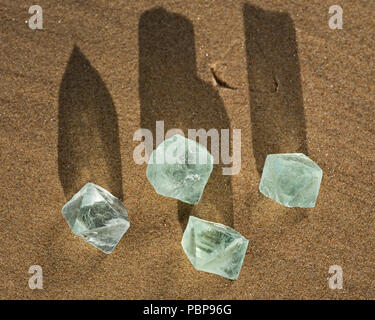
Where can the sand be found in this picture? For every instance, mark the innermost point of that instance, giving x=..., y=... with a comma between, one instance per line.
x=73, y=94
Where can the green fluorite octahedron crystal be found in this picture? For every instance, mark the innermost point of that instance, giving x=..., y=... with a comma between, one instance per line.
x=214, y=248
x=179, y=168
x=291, y=179
x=97, y=217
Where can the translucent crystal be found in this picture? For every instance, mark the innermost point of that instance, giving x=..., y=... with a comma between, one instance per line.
x=214, y=248
x=179, y=168
x=97, y=217
x=291, y=179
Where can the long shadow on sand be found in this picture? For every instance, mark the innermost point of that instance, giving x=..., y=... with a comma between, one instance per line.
x=275, y=90
x=88, y=145
x=170, y=90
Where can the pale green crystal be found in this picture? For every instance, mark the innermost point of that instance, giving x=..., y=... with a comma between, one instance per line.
x=291, y=179
x=97, y=217
x=179, y=168
x=214, y=248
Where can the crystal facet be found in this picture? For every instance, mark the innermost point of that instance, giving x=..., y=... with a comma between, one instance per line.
x=179, y=168
x=214, y=247
x=291, y=179
x=97, y=217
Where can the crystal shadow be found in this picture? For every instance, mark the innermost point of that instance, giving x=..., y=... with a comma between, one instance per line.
x=275, y=90
x=88, y=140
x=170, y=90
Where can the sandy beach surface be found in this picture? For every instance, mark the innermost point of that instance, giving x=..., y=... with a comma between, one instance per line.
x=73, y=94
